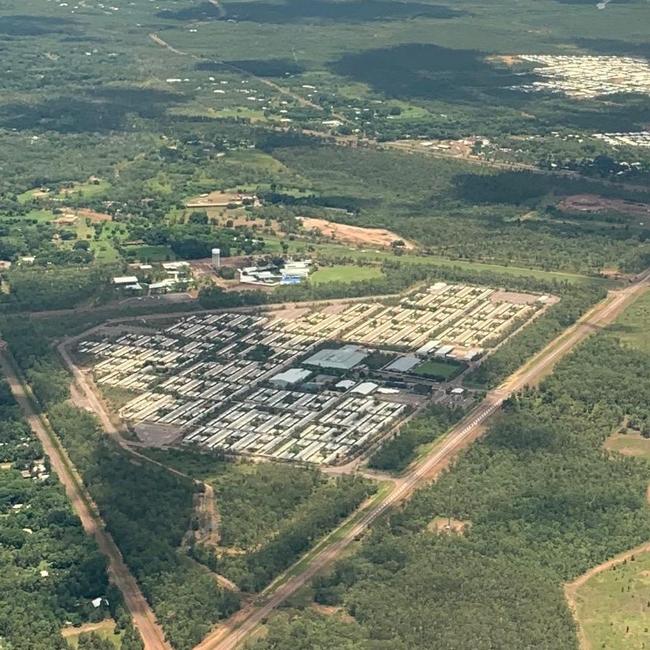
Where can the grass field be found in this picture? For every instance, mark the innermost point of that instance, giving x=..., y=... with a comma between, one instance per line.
x=88, y=189
x=147, y=253
x=104, y=629
x=613, y=606
x=331, y=251
x=343, y=273
x=633, y=326
x=438, y=369
x=629, y=444
x=41, y=215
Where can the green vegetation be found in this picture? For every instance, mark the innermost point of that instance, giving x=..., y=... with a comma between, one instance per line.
x=573, y=304
x=270, y=514
x=544, y=503
x=612, y=606
x=147, y=510
x=396, y=454
x=440, y=370
x=134, y=145
x=49, y=569
x=39, y=289
x=103, y=636
x=343, y=273
x=334, y=501
x=632, y=327
x=148, y=529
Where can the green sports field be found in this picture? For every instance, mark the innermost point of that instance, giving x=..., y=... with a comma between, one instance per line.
x=345, y=273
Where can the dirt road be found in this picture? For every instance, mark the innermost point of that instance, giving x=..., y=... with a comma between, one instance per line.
x=571, y=588
x=302, y=101
x=228, y=637
x=143, y=617
x=84, y=395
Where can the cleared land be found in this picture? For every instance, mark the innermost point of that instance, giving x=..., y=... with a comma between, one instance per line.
x=633, y=327
x=355, y=235
x=104, y=629
x=284, y=385
x=334, y=250
x=593, y=203
x=342, y=273
x=629, y=444
x=613, y=605
x=227, y=637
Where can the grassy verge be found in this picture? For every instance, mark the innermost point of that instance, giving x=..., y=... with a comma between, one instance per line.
x=633, y=327
x=613, y=606
x=345, y=273
x=331, y=538
x=329, y=251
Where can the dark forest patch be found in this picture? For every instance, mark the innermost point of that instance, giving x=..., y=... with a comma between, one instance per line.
x=610, y=46
x=431, y=72
x=313, y=10
x=519, y=187
x=102, y=110
x=20, y=25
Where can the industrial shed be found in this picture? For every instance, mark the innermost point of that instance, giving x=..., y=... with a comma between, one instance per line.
x=344, y=358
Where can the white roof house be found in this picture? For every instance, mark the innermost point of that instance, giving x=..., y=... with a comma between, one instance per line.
x=444, y=351
x=365, y=388
x=175, y=266
x=123, y=280
x=290, y=377
x=427, y=348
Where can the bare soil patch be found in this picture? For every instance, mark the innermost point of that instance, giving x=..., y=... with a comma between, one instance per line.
x=156, y=435
x=446, y=526
x=595, y=204
x=513, y=297
x=508, y=59
x=629, y=443
x=331, y=610
x=106, y=625
x=356, y=235
x=337, y=308
x=95, y=217
x=218, y=199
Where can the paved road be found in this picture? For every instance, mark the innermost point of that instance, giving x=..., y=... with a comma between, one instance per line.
x=143, y=617
x=228, y=637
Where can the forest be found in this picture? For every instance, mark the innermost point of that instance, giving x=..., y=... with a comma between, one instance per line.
x=149, y=511
x=49, y=569
x=396, y=454
x=270, y=513
x=539, y=502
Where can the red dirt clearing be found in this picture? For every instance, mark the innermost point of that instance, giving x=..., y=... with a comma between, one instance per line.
x=595, y=204
x=354, y=234
x=95, y=217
